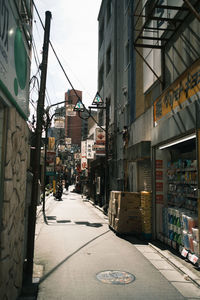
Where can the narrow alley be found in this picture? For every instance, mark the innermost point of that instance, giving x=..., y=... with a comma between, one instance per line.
x=77, y=257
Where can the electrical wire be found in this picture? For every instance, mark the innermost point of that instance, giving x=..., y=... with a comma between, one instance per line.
x=69, y=81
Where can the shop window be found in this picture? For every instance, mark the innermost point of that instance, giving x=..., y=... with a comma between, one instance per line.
x=176, y=197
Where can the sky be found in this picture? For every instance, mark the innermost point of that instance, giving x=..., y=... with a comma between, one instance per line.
x=74, y=35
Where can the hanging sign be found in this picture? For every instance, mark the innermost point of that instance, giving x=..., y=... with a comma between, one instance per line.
x=100, y=136
x=70, y=110
x=68, y=141
x=90, y=151
x=59, y=122
x=83, y=155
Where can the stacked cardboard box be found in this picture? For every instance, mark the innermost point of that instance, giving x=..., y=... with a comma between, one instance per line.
x=124, y=212
x=146, y=216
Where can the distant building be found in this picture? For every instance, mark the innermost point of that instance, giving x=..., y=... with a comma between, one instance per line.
x=75, y=127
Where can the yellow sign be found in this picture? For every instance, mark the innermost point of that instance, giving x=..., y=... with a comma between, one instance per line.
x=57, y=160
x=179, y=94
x=51, y=143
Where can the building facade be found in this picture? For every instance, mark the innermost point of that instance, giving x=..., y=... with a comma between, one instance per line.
x=15, y=47
x=129, y=128
x=75, y=127
x=148, y=68
x=171, y=68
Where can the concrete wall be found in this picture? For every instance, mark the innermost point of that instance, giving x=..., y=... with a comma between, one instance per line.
x=13, y=206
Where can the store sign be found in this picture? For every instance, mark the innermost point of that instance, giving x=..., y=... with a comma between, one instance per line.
x=83, y=149
x=14, y=59
x=90, y=151
x=68, y=141
x=51, y=143
x=59, y=122
x=49, y=169
x=51, y=157
x=180, y=94
x=70, y=110
x=99, y=145
x=68, y=147
x=83, y=155
x=61, y=148
x=100, y=136
x=77, y=156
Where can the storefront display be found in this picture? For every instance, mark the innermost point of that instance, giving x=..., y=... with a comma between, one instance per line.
x=180, y=194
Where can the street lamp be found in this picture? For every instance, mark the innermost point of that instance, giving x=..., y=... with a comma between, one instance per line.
x=98, y=103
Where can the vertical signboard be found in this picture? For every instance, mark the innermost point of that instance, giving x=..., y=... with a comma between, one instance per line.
x=100, y=142
x=90, y=151
x=83, y=155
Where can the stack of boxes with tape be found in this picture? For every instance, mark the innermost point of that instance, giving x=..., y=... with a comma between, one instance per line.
x=146, y=216
x=124, y=212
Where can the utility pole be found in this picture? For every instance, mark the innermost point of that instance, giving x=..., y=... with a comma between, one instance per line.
x=37, y=154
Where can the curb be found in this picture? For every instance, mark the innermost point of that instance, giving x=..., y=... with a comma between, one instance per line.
x=178, y=265
x=169, y=257
x=98, y=207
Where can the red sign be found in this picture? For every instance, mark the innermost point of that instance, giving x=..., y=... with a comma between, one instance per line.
x=159, y=199
x=159, y=186
x=159, y=164
x=159, y=175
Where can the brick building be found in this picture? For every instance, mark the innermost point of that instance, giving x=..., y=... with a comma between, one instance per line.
x=73, y=124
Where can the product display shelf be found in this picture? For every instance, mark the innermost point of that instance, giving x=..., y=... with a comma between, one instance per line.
x=180, y=226
x=180, y=231
x=182, y=184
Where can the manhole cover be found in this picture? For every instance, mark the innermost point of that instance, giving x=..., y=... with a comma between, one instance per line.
x=115, y=277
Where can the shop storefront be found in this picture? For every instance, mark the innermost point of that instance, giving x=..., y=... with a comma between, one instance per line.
x=176, y=165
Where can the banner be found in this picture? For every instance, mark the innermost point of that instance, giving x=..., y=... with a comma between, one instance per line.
x=180, y=94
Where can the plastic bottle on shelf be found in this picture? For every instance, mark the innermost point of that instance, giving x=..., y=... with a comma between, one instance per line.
x=185, y=240
x=195, y=234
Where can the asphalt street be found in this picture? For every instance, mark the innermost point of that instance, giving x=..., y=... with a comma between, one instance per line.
x=77, y=257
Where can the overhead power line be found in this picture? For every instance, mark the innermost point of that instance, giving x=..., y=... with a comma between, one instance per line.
x=69, y=81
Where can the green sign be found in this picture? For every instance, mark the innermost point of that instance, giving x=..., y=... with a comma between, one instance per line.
x=14, y=59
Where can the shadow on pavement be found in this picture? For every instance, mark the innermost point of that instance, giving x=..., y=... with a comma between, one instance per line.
x=43, y=278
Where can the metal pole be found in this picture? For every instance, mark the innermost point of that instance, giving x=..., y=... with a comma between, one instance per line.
x=107, y=156
x=36, y=166
x=45, y=168
x=197, y=110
